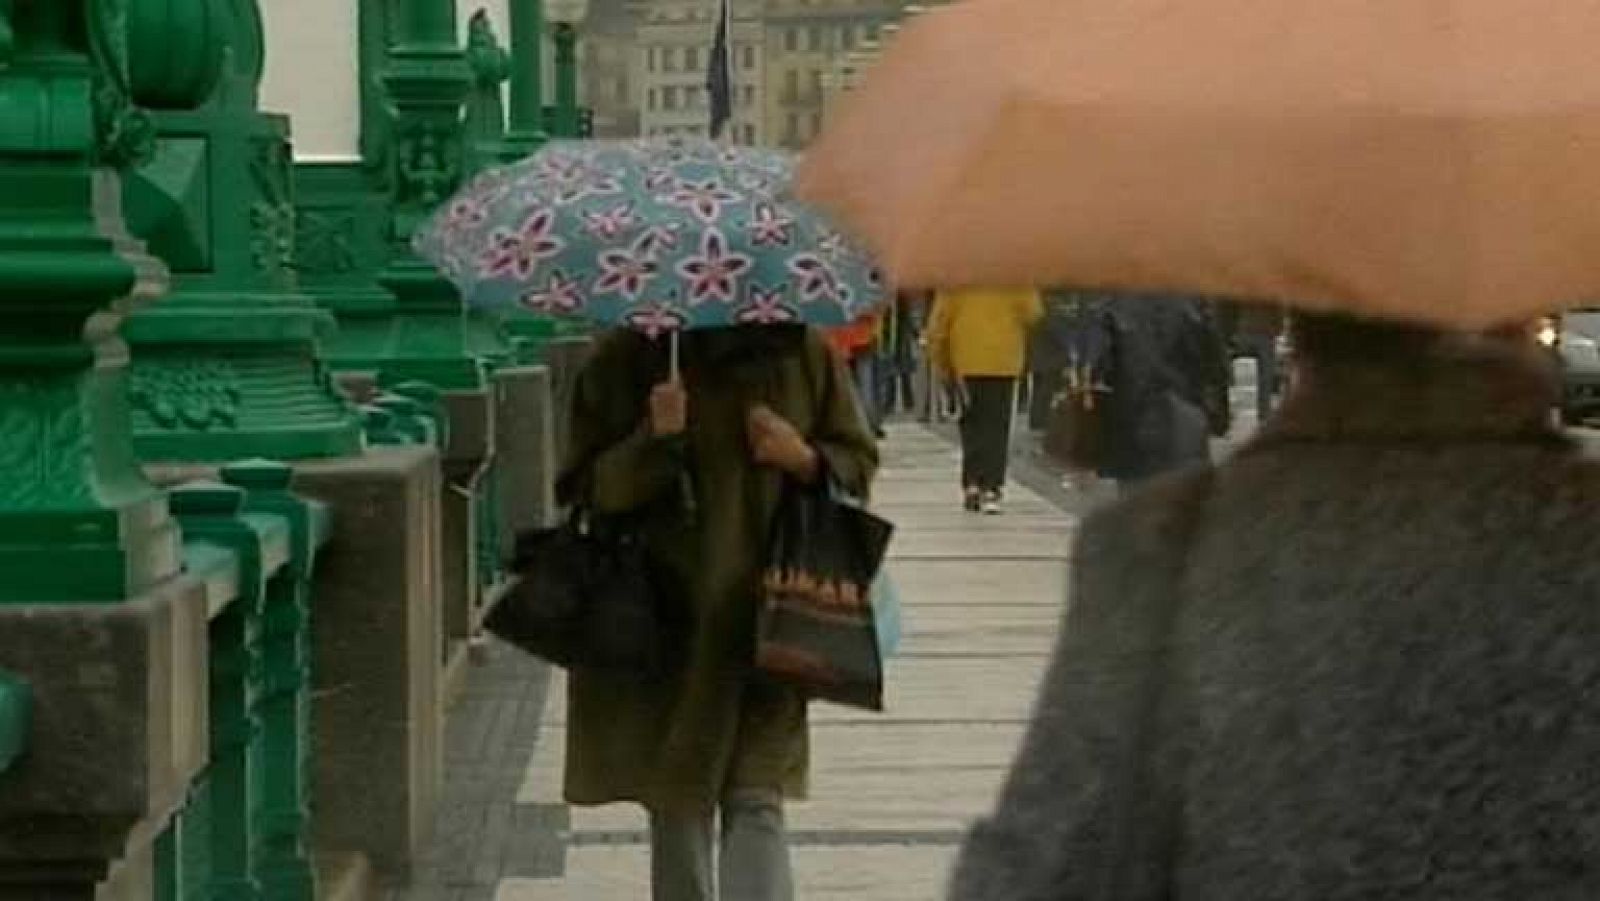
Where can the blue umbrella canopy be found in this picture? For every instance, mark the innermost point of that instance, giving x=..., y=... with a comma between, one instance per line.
x=660, y=236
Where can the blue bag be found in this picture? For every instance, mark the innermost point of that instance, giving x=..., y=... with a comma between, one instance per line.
x=886, y=614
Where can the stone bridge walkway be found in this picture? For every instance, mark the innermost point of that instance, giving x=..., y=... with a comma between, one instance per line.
x=892, y=792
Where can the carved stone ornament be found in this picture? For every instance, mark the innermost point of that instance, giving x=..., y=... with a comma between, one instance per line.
x=198, y=395
x=272, y=242
x=126, y=133
x=325, y=243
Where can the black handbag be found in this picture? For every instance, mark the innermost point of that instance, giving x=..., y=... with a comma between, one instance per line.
x=589, y=596
x=816, y=629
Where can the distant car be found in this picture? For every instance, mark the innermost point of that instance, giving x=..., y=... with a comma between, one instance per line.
x=1576, y=339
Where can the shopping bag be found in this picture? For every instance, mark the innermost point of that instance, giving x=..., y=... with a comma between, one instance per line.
x=588, y=595
x=816, y=629
x=886, y=616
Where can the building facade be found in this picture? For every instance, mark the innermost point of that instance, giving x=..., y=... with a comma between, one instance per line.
x=783, y=52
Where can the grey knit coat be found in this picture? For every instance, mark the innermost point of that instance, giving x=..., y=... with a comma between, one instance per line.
x=1359, y=661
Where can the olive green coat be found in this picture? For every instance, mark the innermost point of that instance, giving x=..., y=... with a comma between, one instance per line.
x=684, y=742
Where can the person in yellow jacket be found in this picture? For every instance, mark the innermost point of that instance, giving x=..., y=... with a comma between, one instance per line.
x=979, y=339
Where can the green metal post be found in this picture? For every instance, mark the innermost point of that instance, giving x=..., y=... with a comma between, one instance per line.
x=566, y=41
x=427, y=81
x=78, y=521
x=486, y=111
x=212, y=516
x=527, y=132
x=227, y=367
x=16, y=710
x=284, y=869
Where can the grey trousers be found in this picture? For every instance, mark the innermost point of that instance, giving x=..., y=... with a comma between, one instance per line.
x=753, y=864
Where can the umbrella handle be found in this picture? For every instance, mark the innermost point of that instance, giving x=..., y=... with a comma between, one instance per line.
x=673, y=372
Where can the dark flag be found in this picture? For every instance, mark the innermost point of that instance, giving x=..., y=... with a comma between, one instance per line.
x=719, y=80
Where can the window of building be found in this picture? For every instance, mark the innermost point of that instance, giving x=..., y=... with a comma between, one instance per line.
x=747, y=133
x=691, y=59
x=816, y=125
x=651, y=60
x=749, y=54
x=652, y=100
x=791, y=39
x=816, y=82
x=791, y=85
x=749, y=92
x=669, y=98
x=847, y=38
x=791, y=131
x=669, y=59
x=814, y=39
x=874, y=31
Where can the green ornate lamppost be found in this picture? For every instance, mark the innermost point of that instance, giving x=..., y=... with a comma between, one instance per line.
x=427, y=82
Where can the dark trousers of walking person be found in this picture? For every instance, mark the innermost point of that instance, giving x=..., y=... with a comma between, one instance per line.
x=752, y=863
x=986, y=432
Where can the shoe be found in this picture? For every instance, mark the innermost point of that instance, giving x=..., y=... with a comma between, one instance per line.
x=973, y=502
x=990, y=504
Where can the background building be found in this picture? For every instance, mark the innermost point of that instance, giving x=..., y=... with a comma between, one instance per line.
x=671, y=57
x=647, y=62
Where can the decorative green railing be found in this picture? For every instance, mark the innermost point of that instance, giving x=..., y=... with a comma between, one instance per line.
x=245, y=832
x=16, y=709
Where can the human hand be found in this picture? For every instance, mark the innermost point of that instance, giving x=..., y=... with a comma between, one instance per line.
x=775, y=442
x=669, y=409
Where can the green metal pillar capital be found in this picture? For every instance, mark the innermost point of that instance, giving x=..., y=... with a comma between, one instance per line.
x=228, y=366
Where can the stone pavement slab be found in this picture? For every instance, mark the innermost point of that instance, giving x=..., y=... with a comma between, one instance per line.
x=893, y=873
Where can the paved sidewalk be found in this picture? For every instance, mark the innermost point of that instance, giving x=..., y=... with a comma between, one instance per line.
x=892, y=792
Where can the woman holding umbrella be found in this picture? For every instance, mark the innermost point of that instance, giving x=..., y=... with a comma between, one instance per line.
x=752, y=406
x=688, y=421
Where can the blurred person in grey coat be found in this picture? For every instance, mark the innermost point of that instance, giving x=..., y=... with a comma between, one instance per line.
x=1167, y=368
x=1359, y=661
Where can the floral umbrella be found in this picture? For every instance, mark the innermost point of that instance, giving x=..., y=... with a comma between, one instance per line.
x=660, y=236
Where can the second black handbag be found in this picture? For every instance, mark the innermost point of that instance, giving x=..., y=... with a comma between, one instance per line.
x=589, y=596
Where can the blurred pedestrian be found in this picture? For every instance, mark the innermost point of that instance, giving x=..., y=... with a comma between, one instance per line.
x=1357, y=661
x=857, y=345
x=1255, y=331
x=979, y=339
x=1167, y=371
x=1052, y=351
x=753, y=406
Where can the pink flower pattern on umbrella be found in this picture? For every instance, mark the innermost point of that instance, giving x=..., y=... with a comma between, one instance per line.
x=815, y=279
x=656, y=320
x=657, y=239
x=517, y=254
x=649, y=235
x=766, y=308
x=705, y=199
x=624, y=272
x=560, y=295
x=612, y=223
x=569, y=181
x=714, y=275
x=770, y=228
x=660, y=179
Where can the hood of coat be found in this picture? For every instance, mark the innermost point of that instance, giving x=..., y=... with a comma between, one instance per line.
x=1460, y=389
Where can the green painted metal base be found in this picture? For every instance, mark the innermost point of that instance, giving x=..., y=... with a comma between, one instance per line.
x=78, y=523
x=16, y=710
